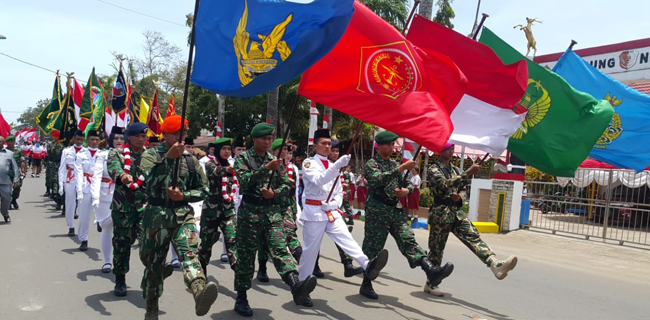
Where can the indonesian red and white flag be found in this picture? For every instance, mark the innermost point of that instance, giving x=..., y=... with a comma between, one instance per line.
x=313, y=121
x=326, y=121
x=485, y=118
x=29, y=134
x=219, y=130
x=77, y=97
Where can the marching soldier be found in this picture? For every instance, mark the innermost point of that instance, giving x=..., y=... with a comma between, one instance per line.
x=445, y=215
x=260, y=217
x=289, y=212
x=321, y=213
x=129, y=199
x=67, y=182
x=218, y=208
x=102, y=191
x=20, y=161
x=168, y=217
x=84, y=171
x=54, y=159
x=384, y=215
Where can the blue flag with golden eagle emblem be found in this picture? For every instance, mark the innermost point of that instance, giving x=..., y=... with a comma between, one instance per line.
x=245, y=48
x=624, y=142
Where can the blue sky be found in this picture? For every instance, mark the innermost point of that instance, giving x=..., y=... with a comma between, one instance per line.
x=75, y=35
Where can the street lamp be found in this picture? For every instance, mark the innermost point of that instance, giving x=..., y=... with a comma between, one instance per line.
x=2, y=37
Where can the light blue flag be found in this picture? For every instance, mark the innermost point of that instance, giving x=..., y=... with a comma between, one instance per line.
x=626, y=141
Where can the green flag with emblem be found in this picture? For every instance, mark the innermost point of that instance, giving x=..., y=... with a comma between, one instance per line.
x=45, y=120
x=561, y=125
x=93, y=104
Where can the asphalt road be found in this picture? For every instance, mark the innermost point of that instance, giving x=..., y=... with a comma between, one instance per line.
x=44, y=276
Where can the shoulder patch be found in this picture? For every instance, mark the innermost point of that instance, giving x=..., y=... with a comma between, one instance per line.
x=306, y=165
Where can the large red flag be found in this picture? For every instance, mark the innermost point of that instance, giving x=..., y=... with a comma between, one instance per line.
x=486, y=117
x=378, y=76
x=154, y=121
x=5, y=129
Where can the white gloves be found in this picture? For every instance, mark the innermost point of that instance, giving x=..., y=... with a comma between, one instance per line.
x=329, y=206
x=95, y=204
x=342, y=161
x=80, y=196
x=61, y=190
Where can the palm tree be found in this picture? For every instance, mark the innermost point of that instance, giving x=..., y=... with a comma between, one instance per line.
x=393, y=11
x=344, y=130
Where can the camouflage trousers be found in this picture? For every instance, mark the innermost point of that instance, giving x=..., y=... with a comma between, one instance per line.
x=444, y=221
x=255, y=225
x=290, y=234
x=51, y=178
x=211, y=221
x=125, y=231
x=382, y=220
x=153, y=254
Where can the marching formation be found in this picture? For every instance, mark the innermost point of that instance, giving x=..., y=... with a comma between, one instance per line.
x=254, y=200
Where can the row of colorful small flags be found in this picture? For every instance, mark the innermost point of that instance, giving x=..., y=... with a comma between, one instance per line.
x=87, y=108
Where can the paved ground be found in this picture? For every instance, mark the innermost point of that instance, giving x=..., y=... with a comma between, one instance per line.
x=44, y=276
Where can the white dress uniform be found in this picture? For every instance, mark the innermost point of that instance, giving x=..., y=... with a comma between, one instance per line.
x=67, y=181
x=84, y=171
x=318, y=181
x=101, y=191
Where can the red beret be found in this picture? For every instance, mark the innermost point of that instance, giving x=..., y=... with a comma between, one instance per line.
x=173, y=124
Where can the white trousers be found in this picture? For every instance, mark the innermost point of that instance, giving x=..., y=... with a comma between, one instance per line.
x=198, y=208
x=70, y=202
x=103, y=217
x=312, y=236
x=85, y=210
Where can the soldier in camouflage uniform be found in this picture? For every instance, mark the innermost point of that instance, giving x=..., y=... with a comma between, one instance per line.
x=447, y=186
x=218, y=213
x=128, y=203
x=168, y=217
x=289, y=213
x=52, y=172
x=384, y=214
x=21, y=162
x=260, y=217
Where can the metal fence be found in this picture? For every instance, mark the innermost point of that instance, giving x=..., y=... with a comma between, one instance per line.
x=608, y=204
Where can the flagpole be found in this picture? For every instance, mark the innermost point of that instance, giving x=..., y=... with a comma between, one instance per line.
x=406, y=24
x=354, y=140
x=480, y=25
x=573, y=43
x=177, y=165
x=286, y=136
x=417, y=153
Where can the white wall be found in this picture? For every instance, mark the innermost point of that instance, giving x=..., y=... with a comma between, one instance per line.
x=477, y=184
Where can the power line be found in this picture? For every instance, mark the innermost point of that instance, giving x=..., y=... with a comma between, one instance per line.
x=34, y=65
x=142, y=14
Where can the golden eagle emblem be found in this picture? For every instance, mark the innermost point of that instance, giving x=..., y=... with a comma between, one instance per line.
x=615, y=127
x=537, y=102
x=254, y=58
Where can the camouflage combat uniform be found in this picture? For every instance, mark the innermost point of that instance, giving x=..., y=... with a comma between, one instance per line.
x=346, y=199
x=22, y=163
x=217, y=214
x=126, y=208
x=289, y=212
x=52, y=169
x=447, y=216
x=383, y=213
x=165, y=220
x=259, y=219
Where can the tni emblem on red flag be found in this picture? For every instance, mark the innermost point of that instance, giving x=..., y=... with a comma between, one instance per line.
x=389, y=70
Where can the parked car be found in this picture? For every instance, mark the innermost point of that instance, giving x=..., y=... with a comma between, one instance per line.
x=624, y=214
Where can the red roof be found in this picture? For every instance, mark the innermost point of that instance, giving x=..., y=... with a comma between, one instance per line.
x=597, y=50
x=641, y=87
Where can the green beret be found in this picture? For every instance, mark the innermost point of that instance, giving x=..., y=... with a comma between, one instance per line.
x=10, y=138
x=217, y=142
x=262, y=129
x=385, y=137
x=276, y=144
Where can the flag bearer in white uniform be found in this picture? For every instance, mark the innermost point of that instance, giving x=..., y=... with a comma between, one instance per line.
x=101, y=190
x=67, y=182
x=84, y=171
x=319, y=216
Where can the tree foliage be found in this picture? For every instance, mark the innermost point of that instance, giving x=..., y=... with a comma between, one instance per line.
x=394, y=12
x=445, y=13
x=28, y=117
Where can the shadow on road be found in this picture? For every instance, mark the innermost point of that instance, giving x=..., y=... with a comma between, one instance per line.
x=92, y=253
x=321, y=309
x=385, y=276
x=134, y=297
x=230, y=314
x=450, y=300
x=83, y=275
x=388, y=303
